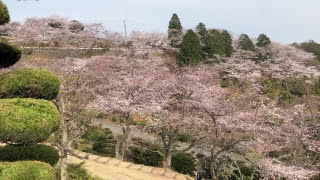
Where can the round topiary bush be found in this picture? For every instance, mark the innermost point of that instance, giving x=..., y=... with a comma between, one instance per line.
x=25, y=170
x=27, y=121
x=10, y=54
x=29, y=83
x=183, y=163
x=37, y=152
x=4, y=14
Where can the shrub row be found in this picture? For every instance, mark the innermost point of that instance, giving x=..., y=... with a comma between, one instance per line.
x=37, y=152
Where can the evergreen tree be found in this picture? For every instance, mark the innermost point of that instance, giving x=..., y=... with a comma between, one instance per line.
x=202, y=30
x=263, y=41
x=9, y=54
x=4, y=14
x=175, y=31
x=175, y=23
x=227, y=40
x=190, y=51
x=245, y=43
x=214, y=44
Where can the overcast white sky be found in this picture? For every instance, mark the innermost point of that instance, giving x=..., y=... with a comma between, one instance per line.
x=286, y=21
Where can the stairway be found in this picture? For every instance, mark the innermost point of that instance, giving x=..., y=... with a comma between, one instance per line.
x=114, y=169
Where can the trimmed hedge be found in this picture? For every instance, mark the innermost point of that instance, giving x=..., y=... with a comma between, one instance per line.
x=37, y=152
x=26, y=170
x=27, y=121
x=10, y=54
x=29, y=83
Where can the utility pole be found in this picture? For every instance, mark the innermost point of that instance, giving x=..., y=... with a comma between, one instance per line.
x=125, y=29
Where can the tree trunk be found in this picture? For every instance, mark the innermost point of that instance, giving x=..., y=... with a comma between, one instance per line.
x=168, y=145
x=122, y=143
x=213, y=166
x=64, y=144
x=167, y=163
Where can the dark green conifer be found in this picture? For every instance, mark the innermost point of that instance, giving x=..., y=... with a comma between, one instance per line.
x=190, y=51
x=263, y=41
x=245, y=43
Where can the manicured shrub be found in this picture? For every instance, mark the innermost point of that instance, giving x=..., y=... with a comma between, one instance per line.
x=263, y=41
x=37, y=152
x=4, y=14
x=10, y=54
x=27, y=121
x=26, y=170
x=190, y=52
x=29, y=83
x=245, y=43
x=183, y=163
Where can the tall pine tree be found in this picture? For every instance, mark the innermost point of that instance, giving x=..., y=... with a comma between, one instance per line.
x=245, y=43
x=175, y=31
x=227, y=40
x=190, y=51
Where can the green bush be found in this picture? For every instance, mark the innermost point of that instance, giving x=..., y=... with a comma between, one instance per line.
x=183, y=163
x=76, y=172
x=184, y=137
x=10, y=54
x=4, y=14
x=190, y=52
x=315, y=177
x=97, y=140
x=142, y=124
x=26, y=170
x=147, y=157
x=27, y=121
x=245, y=43
x=316, y=87
x=144, y=152
x=263, y=41
x=29, y=83
x=37, y=152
